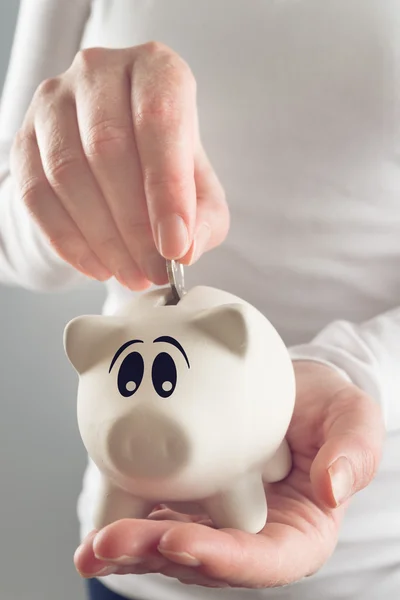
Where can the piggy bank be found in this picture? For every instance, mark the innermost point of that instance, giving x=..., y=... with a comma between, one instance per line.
x=186, y=405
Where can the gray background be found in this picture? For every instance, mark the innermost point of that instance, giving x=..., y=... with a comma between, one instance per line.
x=41, y=455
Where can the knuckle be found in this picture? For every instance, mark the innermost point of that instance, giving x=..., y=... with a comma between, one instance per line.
x=108, y=136
x=89, y=58
x=110, y=246
x=154, y=48
x=68, y=245
x=172, y=184
x=23, y=141
x=30, y=186
x=58, y=165
x=176, y=70
x=31, y=190
x=186, y=75
x=169, y=62
x=47, y=89
x=163, y=109
x=170, y=86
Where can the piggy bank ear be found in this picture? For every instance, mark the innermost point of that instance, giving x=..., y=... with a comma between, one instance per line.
x=227, y=325
x=85, y=339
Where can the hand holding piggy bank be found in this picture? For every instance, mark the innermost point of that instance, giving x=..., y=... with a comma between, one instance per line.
x=186, y=405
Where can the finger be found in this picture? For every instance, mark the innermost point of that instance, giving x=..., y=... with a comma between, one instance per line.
x=87, y=564
x=163, y=107
x=349, y=458
x=190, y=576
x=106, y=130
x=212, y=217
x=280, y=555
x=130, y=541
x=166, y=514
x=48, y=212
x=185, y=575
x=143, y=538
x=69, y=176
x=127, y=546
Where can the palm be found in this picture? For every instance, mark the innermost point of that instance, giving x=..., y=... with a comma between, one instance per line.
x=297, y=521
x=302, y=526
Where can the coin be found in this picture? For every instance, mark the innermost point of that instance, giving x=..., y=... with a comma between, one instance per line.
x=176, y=278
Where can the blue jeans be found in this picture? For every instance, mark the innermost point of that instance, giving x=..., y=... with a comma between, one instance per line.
x=97, y=591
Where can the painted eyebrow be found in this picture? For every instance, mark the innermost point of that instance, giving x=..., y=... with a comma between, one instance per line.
x=174, y=342
x=123, y=347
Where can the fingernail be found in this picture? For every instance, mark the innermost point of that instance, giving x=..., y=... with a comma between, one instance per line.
x=92, y=267
x=341, y=476
x=109, y=570
x=124, y=559
x=154, y=269
x=201, y=241
x=183, y=558
x=172, y=237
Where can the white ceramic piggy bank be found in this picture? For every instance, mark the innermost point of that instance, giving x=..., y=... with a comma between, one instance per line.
x=185, y=405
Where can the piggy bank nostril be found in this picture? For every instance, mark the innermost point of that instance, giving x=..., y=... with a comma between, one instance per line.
x=147, y=445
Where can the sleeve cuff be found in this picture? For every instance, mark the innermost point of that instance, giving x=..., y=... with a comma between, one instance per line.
x=320, y=355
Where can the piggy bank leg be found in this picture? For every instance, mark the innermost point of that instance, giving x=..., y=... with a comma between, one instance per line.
x=279, y=466
x=115, y=504
x=243, y=506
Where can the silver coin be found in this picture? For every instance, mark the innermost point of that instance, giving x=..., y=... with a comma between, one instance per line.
x=176, y=278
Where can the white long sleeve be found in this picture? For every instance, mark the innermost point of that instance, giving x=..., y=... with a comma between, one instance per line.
x=47, y=37
x=299, y=112
x=368, y=353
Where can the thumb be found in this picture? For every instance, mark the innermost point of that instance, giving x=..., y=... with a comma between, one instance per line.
x=212, y=214
x=353, y=434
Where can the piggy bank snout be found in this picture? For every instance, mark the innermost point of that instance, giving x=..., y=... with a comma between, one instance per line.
x=147, y=444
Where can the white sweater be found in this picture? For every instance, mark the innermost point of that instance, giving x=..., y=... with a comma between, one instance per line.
x=300, y=113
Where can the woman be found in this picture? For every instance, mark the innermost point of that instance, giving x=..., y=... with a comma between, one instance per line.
x=104, y=174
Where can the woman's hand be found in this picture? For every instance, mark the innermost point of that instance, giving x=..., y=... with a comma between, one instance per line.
x=336, y=437
x=110, y=164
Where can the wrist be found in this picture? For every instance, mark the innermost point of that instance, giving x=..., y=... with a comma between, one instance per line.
x=318, y=378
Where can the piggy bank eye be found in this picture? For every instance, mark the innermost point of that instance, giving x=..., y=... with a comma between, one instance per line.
x=164, y=375
x=130, y=374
